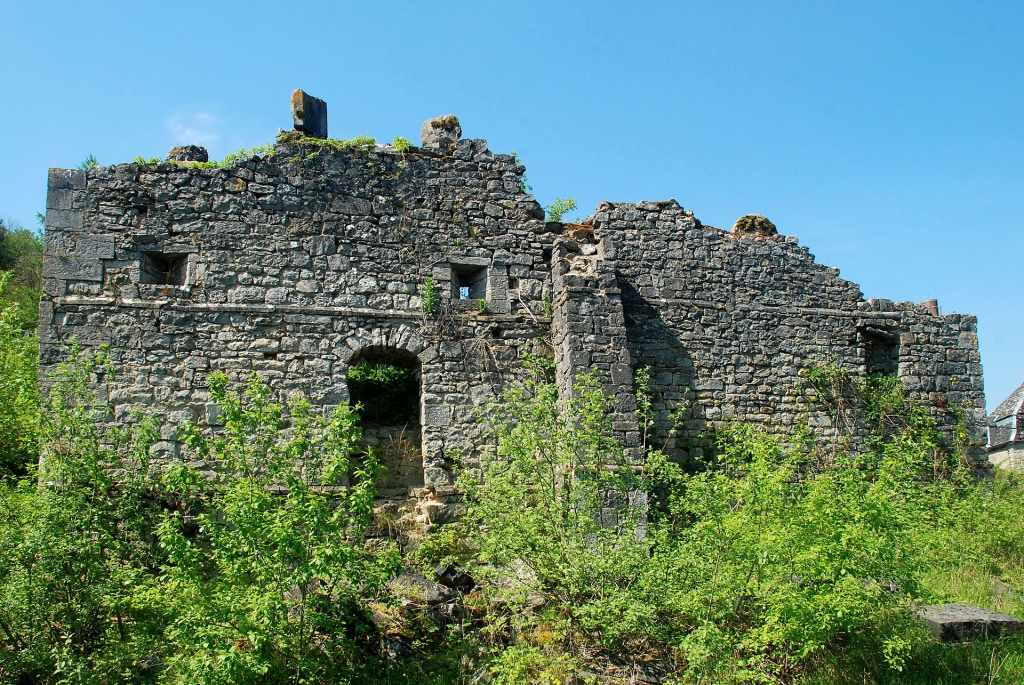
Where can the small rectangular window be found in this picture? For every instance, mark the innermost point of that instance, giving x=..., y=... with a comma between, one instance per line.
x=881, y=350
x=469, y=282
x=163, y=269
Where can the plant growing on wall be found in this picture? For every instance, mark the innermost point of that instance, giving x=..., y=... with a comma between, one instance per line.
x=557, y=209
x=430, y=296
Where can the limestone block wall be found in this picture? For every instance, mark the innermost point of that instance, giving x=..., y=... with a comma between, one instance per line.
x=298, y=265
x=725, y=323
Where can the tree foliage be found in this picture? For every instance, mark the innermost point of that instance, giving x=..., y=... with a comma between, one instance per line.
x=19, y=387
x=247, y=560
x=21, y=255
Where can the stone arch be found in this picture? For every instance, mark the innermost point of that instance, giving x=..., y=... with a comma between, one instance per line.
x=401, y=338
x=399, y=446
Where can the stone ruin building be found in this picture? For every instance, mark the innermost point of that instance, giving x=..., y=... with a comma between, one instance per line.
x=1006, y=431
x=301, y=264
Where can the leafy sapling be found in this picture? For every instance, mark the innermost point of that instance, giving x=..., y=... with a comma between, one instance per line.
x=559, y=208
x=429, y=296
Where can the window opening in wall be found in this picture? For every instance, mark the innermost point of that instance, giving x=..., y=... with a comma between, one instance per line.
x=163, y=269
x=389, y=394
x=470, y=282
x=386, y=381
x=881, y=350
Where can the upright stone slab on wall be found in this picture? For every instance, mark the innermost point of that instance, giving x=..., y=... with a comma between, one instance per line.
x=309, y=114
x=298, y=263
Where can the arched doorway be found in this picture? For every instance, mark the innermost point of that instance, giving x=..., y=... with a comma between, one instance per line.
x=386, y=382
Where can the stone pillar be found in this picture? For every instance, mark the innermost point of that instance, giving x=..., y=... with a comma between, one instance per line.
x=309, y=114
x=588, y=331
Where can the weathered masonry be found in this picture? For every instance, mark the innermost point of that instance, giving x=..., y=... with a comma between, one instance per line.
x=300, y=264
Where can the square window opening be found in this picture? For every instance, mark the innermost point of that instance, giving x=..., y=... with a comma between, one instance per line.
x=881, y=350
x=163, y=269
x=469, y=282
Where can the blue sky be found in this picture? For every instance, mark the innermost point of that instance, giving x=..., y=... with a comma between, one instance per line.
x=887, y=136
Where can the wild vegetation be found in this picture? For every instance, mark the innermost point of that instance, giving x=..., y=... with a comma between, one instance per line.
x=559, y=208
x=249, y=560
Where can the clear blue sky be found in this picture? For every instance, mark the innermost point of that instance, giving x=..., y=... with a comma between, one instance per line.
x=887, y=136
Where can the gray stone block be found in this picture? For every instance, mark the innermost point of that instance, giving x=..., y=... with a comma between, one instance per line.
x=309, y=114
x=441, y=133
x=321, y=245
x=64, y=219
x=99, y=246
x=188, y=153
x=73, y=268
x=967, y=623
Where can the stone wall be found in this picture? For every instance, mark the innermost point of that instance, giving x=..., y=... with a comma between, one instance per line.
x=726, y=322
x=296, y=265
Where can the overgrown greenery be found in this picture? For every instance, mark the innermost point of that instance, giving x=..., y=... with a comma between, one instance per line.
x=768, y=565
x=20, y=289
x=115, y=569
x=247, y=560
x=19, y=387
x=559, y=208
x=21, y=255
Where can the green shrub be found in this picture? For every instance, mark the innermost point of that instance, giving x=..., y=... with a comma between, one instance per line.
x=557, y=209
x=756, y=568
x=75, y=546
x=267, y=577
x=401, y=144
x=19, y=388
x=21, y=254
x=555, y=517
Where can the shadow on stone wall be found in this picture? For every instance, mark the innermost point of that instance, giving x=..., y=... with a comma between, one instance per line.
x=653, y=344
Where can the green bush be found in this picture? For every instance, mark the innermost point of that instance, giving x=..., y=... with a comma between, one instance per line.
x=756, y=568
x=557, y=209
x=267, y=578
x=76, y=543
x=247, y=560
x=21, y=254
x=115, y=569
x=19, y=388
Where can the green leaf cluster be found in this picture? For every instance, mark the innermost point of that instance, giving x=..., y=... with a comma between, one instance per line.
x=762, y=566
x=245, y=562
x=559, y=208
x=19, y=386
x=21, y=256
